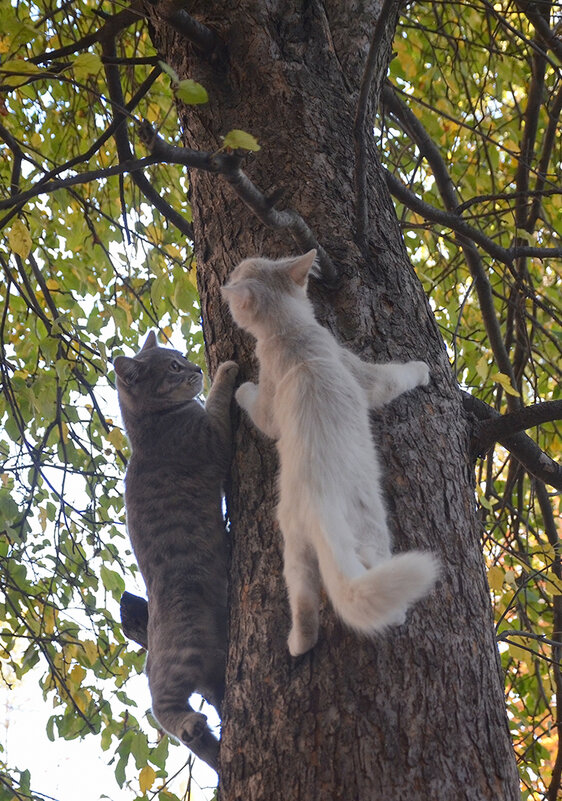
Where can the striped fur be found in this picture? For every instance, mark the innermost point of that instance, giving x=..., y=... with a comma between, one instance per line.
x=173, y=496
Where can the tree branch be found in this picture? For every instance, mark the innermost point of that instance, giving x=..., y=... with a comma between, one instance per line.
x=372, y=68
x=541, y=26
x=548, y=143
x=124, y=149
x=527, y=452
x=175, y=13
x=429, y=151
x=228, y=165
x=109, y=29
x=497, y=428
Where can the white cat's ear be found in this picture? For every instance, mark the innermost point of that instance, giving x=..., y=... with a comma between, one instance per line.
x=126, y=368
x=240, y=293
x=150, y=341
x=300, y=267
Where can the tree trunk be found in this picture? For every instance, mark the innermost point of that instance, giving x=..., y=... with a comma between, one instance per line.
x=418, y=712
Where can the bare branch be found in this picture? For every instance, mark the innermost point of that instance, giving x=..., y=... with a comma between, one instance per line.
x=228, y=165
x=497, y=428
x=385, y=21
x=549, y=141
x=527, y=452
x=113, y=25
x=176, y=15
x=429, y=150
x=550, y=38
x=124, y=149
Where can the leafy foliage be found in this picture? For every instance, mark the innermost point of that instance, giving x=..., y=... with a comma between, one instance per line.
x=92, y=258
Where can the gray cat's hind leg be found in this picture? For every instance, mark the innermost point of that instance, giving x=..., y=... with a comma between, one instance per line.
x=170, y=693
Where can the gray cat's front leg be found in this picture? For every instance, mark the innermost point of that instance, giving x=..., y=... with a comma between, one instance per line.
x=218, y=400
x=257, y=404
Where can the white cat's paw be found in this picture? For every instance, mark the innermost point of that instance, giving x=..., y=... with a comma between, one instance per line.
x=246, y=395
x=421, y=373
x=299, y=642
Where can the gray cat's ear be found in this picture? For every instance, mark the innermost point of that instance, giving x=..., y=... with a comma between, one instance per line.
x=126, y=368
x=300, y=267
x=150, y=341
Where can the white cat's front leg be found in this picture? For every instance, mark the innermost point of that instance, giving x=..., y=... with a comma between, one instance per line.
x=391, y=380
x=384, y=382
x=252, y=400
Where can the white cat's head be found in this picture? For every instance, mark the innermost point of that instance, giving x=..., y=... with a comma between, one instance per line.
x=258, y=287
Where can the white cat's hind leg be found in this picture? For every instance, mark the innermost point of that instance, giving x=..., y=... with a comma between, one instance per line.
x=303, y=588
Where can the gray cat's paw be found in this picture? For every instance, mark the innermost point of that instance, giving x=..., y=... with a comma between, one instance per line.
x=227, y=370
x=193, y=728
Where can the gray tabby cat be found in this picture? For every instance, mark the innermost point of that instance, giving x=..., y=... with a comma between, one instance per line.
x=173, y=497
x=314, y=398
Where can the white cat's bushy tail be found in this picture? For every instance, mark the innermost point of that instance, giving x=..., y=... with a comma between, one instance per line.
x=380, y=596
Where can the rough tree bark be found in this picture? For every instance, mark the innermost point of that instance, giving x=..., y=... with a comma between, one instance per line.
x=417, y=713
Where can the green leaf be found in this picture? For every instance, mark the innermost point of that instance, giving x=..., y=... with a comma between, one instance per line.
x=191, y=92
x=86, y=64
x=240, y=140
x=169, y=71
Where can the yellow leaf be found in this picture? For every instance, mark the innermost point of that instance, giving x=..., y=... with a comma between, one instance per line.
x=88, y=651
x=19, y=239
x=82, y=699
x=482, y=366
x=554, y=584
x=77, y=675
x=126, y=306
x=520, y=654
x=503, y=379
x=49, y=620
x=496, y=577
x=51, y=284
x=510, y=578
x=115, y=436
x=146, y=778
x=43, y=519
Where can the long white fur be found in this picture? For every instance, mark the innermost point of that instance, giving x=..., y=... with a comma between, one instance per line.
x=314, y=397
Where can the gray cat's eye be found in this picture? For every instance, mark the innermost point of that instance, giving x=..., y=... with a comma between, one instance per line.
x=175, y=366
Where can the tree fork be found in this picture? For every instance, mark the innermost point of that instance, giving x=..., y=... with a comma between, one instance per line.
x=419, y=712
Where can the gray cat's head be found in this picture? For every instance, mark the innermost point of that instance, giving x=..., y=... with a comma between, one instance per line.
x=156, y=379
x=257, y=287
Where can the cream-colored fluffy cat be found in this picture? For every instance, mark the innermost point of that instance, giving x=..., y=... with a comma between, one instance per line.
x=314, y=397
